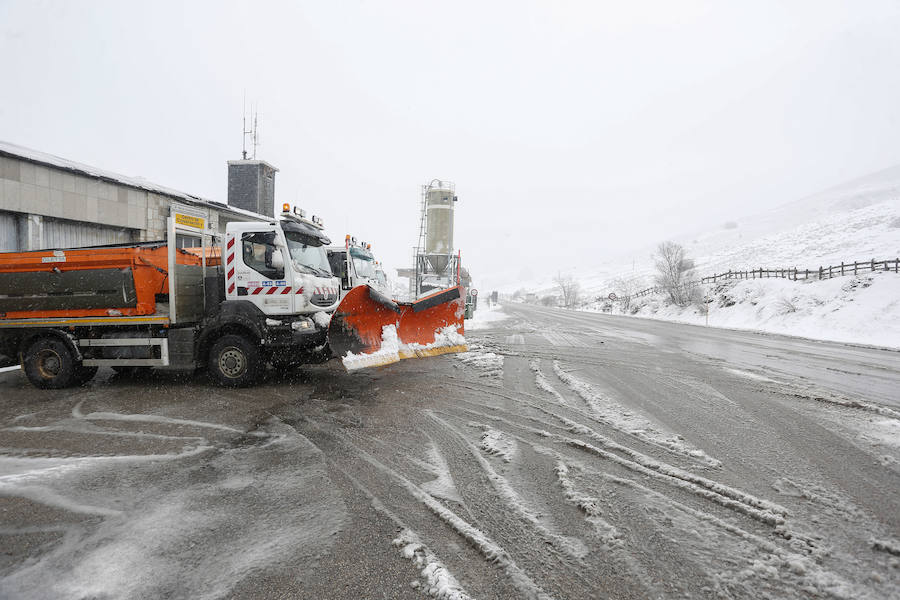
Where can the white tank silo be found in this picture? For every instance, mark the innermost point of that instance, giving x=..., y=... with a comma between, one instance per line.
x=440, y=200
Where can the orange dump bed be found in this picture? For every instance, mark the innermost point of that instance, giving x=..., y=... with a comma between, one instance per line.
x=89, y=282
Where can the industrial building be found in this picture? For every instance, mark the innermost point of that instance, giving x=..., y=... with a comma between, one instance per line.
x=51, y=202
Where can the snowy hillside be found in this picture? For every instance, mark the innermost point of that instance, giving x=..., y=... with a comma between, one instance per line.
x=837, y=213
x=855, y=221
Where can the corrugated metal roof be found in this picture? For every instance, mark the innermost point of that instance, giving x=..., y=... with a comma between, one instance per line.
x=43, y=158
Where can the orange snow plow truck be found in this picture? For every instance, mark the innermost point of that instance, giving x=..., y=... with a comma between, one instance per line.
x=260, y=293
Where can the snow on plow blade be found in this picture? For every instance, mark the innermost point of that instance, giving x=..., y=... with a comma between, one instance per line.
x=369, y=329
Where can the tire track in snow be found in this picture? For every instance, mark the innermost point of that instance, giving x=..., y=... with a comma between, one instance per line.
x=492, y=551
x=441, y=583
x=179, y=525
x=763, y=510
x=636, y=572
x=496, y=443
x=572, y=547
x=589, y=506
x=141, y=418
x=582, y=413
x=803, y=571
x=804, y=544
x=618, y=417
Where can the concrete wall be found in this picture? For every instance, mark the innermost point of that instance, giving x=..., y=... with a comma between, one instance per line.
x=36, y=191
x=50, y=192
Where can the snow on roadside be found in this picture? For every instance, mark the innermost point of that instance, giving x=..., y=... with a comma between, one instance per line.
x=486, y=316
x=863, y=309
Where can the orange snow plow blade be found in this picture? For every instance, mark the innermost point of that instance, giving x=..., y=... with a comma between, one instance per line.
x=369, y=329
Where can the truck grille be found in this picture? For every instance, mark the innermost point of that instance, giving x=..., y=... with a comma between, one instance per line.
x=323, y=300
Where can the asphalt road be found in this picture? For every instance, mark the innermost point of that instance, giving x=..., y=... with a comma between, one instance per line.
x=567, y=455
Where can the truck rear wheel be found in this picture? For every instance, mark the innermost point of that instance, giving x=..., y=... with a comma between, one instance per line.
x=49, y=364
x=234, y=361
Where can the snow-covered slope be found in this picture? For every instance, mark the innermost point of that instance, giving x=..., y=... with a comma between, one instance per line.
x=859, y=310
x=829, y=209
x=855, y=221
x=853, y=235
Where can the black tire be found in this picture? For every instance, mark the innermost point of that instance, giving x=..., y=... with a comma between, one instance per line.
x=49, y=364
x=234, y=361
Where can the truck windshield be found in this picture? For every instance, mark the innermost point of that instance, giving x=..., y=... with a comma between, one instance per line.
x=364, y=267
x=307, y=252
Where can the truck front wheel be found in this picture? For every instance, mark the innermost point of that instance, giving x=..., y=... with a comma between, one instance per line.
x=49, y=364
x=234, y=361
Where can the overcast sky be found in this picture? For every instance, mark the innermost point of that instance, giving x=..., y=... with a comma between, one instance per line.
x=574, y=131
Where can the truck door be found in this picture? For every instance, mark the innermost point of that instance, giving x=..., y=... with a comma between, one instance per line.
x=255, y=271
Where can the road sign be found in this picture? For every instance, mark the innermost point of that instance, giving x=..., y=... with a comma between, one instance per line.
x=474, y=292
x=612, y=296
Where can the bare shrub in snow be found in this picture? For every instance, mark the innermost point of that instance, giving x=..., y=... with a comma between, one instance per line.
x=568, y=288
x=549, y=301
x=895, y=223
x=699, y=298
x=672, y=271
x=784, y=306
x=624, y=290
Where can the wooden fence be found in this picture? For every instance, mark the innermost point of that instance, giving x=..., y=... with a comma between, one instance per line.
x=657, y=289
x=792, y=273
x=796, y=274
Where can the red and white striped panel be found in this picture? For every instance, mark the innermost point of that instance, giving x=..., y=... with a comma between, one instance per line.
x=269, y=291
x=229, y=264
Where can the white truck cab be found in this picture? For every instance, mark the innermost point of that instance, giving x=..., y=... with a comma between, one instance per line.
x=281, y=267
x=354, y=264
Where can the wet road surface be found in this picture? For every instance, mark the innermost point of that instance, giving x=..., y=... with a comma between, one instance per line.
x=567, y=455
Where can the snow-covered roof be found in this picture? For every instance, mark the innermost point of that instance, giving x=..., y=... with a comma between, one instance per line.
x=43, y=158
